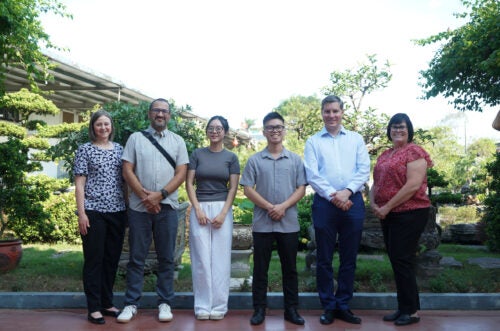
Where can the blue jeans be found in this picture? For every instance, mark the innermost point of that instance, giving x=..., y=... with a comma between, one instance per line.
x=330, y=222
x=143, y=227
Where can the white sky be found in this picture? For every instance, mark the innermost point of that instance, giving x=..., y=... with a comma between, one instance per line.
x=241, y=59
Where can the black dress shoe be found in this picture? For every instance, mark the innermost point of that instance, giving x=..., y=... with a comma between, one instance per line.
x=405, y=319
x=96, y=320
x=392, y=317
x=327, y=317
x=347, y=316
x=291, y=315
x=259, y=315
x=106, y=312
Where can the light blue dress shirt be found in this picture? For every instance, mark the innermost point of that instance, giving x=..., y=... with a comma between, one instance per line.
x=334, y=163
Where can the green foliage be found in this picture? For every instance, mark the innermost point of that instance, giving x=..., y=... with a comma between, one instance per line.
x=353, y=85
x=462, y=214
x=466, y=68
x=32, y=124
x=305, y=216
x=242, y=210
x=21, y=207
x=302, y=116
x=447, y=198
x=24, y=103
x=64, y=222
x=127, y=119
x=61, y=130
x=36, y=142
x=434, y=179
x=22, y=37
x=445, y=152
x=52, y=185
x=10, y=129
x=492, y=202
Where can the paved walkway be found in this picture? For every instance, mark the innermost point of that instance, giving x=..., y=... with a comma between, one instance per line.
x=238, y=320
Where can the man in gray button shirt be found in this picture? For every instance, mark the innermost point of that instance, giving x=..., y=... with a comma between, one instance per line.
x=274, y=180
x=153, y=183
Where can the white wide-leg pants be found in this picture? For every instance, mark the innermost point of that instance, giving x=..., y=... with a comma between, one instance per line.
x=210, y=251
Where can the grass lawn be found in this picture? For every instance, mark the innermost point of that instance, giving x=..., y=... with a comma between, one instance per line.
x=57, y=268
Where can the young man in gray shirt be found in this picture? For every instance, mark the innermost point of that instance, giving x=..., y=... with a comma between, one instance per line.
x=274, y=180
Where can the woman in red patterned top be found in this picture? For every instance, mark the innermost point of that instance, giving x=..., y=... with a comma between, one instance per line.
x=398, y=198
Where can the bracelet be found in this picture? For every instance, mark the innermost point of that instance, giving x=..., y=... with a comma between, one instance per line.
x=349, y=190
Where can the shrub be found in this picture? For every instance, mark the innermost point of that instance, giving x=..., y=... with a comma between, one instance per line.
x=305, y=216
x=447, y=197
x=12, y=130
x=463, y=214
x=32, y=124
x=492, y=202
x=21, y=210
x=62, y=208
x=243, y=210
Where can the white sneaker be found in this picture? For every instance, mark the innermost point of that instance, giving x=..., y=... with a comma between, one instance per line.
x=127, y=313
x=216, y=316
x=202, y=316
x=165, y=314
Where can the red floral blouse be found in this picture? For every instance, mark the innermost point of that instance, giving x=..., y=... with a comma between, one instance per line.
x=389, y=176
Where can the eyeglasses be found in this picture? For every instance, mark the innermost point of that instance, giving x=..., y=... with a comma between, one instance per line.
x=216, y=129
x=159, y=110
x=274, y=128
x=398, y=127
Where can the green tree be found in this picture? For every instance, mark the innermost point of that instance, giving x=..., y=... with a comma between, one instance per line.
x=22, y=37
x=445, y=152
x=302, y=116
x=353, y=85
x=20, y=201
x=467, y=67
x=25, y=103
x=492, y=202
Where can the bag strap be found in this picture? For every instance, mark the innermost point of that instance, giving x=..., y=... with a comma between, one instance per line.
x=161, y=149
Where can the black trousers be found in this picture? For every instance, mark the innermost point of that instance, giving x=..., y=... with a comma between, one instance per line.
x=102, y=247
x=287, y=244
x=401, y=235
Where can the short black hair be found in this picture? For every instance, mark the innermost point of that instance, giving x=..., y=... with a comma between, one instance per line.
x=272, y=116
x=398, y=119
x=159, y=99
x=222, y=120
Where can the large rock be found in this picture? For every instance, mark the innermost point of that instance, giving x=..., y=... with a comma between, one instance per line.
x=372, y=237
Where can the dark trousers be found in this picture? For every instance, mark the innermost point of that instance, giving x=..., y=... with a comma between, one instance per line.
x=102, y=247
x=287, y=244
x=143, y=228
x=401, y=235
x=330, y=222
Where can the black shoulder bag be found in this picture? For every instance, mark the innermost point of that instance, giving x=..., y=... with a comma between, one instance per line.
x=161, y=149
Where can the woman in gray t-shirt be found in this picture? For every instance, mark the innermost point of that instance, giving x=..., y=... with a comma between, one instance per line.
x=211, y=184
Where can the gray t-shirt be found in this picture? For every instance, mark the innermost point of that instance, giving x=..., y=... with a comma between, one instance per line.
x=275, y=180
x=212, y=172
x=151, y=167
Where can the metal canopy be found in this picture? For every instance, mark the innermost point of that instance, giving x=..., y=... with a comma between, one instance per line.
x=76, y=90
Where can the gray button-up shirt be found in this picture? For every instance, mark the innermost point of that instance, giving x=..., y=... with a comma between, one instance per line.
x=151, y=167
x=275, y=180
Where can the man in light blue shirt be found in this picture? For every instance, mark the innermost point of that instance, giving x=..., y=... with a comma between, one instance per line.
x=337, y=167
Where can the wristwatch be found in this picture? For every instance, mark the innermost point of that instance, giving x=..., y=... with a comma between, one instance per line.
x=164, y=193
